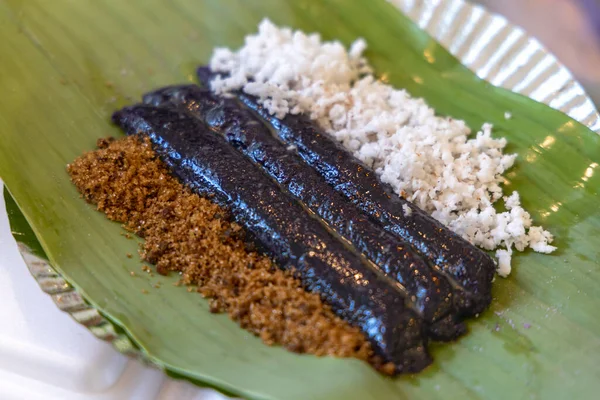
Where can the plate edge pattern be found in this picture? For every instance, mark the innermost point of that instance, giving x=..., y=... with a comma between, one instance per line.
x=468, y=31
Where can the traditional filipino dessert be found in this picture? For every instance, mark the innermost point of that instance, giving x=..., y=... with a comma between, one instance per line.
x=193, y=237
x=431, y=294
x=436, y=162
x=283, y=229
x=305, y=157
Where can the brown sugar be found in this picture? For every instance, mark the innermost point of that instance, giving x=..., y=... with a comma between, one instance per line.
x=193, y=236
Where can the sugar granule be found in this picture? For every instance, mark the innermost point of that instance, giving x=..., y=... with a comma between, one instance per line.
x=188, y=234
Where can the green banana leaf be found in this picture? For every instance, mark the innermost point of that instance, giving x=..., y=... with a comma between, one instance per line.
x=66, y=65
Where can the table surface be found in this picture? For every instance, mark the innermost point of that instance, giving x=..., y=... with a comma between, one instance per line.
x=570, y=29
x=44, y=354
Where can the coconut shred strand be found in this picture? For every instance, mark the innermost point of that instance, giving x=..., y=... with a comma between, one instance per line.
x=253, y=139
x=433, y=161
x=280, y=227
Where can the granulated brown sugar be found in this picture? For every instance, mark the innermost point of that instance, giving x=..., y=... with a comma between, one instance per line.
x=191, y=235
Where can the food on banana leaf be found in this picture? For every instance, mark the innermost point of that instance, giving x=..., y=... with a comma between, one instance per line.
x=346, y=208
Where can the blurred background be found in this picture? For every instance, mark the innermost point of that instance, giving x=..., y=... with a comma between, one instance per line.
x=570, y=29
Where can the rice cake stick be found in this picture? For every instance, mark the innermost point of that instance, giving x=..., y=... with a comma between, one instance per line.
x=282, y=228
x=431, y=291
x=468, y=268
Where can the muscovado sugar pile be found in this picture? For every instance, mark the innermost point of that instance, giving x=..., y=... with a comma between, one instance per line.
x=430, y=160
x=191, y=235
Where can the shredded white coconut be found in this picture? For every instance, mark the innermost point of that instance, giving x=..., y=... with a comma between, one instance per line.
x=433, y=161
